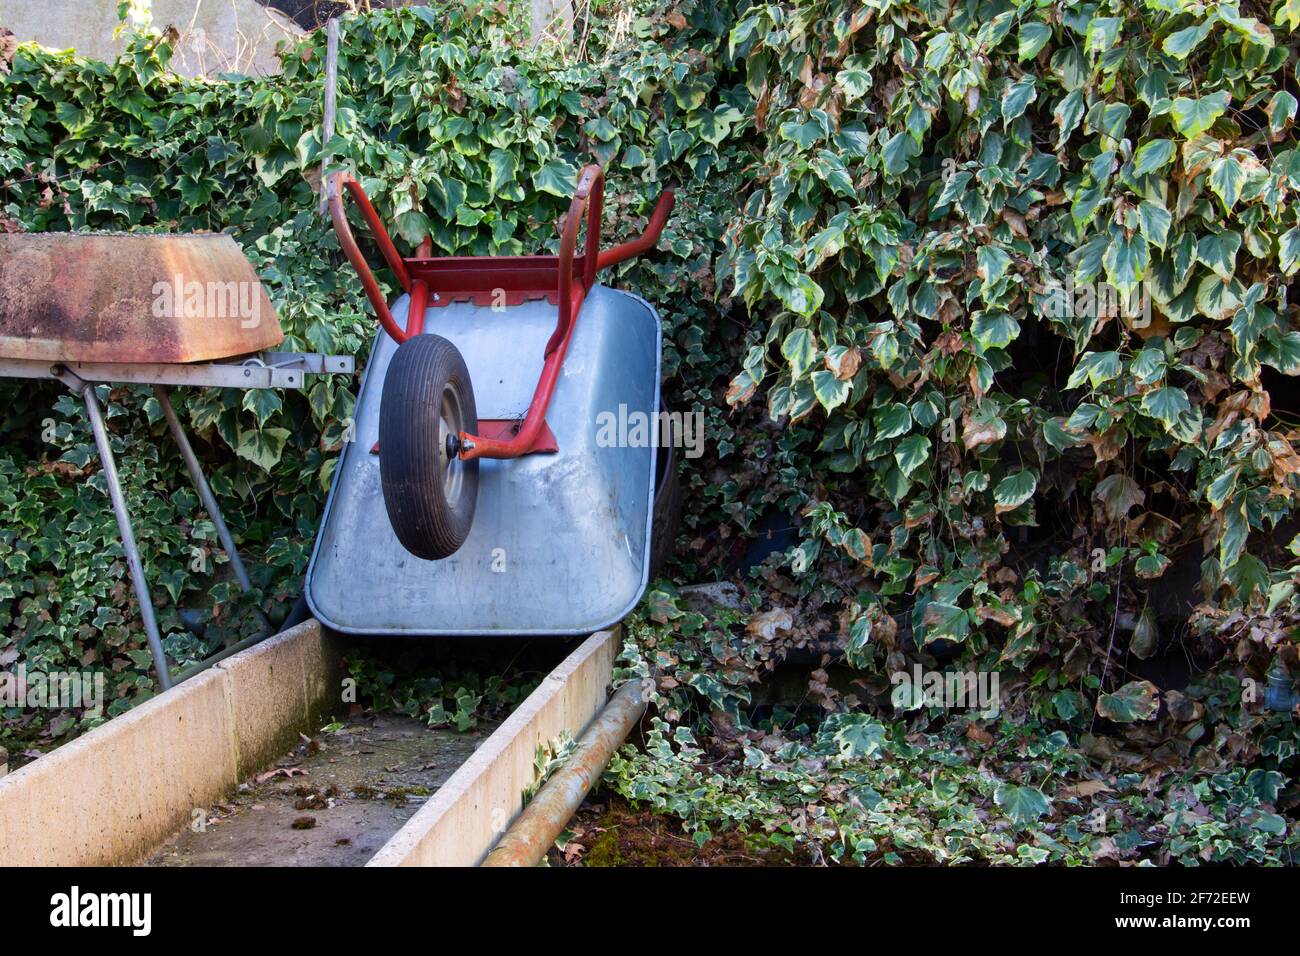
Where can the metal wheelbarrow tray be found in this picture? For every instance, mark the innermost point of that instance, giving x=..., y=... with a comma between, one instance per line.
x=121, y=298
x=560, y=541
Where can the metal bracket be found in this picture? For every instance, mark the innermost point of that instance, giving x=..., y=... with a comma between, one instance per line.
x=266, y=370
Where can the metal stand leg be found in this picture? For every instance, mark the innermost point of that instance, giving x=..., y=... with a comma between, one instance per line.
x=128, y=534
x=205, y=493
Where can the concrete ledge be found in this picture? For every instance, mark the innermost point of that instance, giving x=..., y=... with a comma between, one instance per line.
x=465, y=818
x=111, y=796
x=276, y=689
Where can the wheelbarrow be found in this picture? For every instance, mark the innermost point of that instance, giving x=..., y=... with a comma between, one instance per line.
x=477, y=494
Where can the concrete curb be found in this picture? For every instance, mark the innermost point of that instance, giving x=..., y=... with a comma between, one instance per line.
x=465, y=818
x=111, y=796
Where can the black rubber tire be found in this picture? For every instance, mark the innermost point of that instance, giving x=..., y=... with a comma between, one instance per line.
x=430, y=513
x=667, y=507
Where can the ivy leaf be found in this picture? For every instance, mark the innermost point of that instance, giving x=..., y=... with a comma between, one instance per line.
x=893, y=420
x=1126, y=260
x=991, y=264
x=1166, y=404
x=1153, y=155
x=860, y=736
x=1192, y=117
x=1283, y=354
x=843, y=361
x=1222, y=486
x=911, y=453
x=1096, y=368
x=1218, y=298
x=557, y=178
x=899, y=150
x=945, y=622
x=804, y=296
x=938, y=51
x=831, y=169
x=262, y=402
x=1249, y=28
x=262, y=446
x=601, y=129
x=1181, y=44
x=1153, y=222
x=1227, y=177
x=1136, y=700
x=1117, y=495
x=1023, y=805
x=1067, y=114
x=1281, y=110
x=1247, y=576
x=855, y=82
x=1033, y=37
x=690, y=95
x=1288, y=250
x=1017, y=97
x=1013, y=491
x=1236, y=529
x=714, y=126
x=1219, y=252
x=799, y=350
x=502, y=166
x=1102, y=33
x=994, y=329
x=1288, y=11
x=831, y=392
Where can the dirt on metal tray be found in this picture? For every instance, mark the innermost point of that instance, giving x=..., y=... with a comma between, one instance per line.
x=333, y=802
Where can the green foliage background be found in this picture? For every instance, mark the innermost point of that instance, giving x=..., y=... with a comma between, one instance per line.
x=879, y=205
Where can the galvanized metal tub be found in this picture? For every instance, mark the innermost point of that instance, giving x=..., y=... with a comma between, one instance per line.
x=560, y=543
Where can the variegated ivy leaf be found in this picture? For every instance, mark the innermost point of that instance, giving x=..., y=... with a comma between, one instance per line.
x=1152, y=156
x=1219, y=252
x=994, y=329
x=1136, y=700
x=1194, y=116
x=1023, y=805
x=912, y=453
x=1181, y=43
x=1288, y=12
x=831, y=392
x=1153, y=222
x=799, y=349
x=1167, y=404
x=1033, y=37
x=1281, y=110
x=1013, y=491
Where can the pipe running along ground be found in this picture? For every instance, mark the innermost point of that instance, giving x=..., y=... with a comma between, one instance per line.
x=545, y=817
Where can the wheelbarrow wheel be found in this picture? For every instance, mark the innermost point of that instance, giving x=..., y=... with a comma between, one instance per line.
x=429, y=493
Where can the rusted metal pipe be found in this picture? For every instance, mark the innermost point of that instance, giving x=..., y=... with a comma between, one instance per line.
x=544, y=819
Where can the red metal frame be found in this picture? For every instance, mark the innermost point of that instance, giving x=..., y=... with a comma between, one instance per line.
x=498, y=280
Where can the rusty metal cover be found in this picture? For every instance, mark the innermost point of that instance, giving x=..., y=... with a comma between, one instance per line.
x=129, y=297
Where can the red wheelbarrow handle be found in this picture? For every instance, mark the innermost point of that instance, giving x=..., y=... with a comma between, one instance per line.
x=588, y=198
x=342, y=183
x=339, y=217
x=646, y=241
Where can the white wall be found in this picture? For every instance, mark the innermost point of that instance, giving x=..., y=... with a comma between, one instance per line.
x=216, y=36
